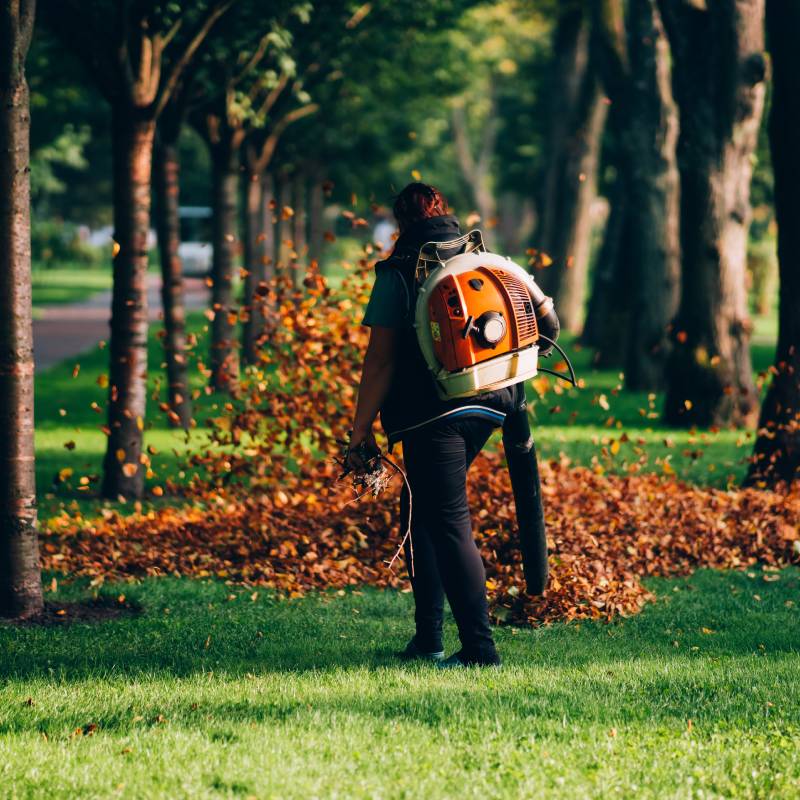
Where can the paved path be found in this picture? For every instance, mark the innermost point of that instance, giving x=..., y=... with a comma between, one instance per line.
x=66, y=331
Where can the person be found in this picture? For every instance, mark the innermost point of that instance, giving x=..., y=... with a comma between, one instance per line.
x=440, y=440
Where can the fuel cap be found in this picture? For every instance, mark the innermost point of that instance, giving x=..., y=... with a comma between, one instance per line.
x=490, y=328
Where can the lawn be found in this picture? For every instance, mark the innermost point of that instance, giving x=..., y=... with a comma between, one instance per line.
x=68, y=284
x=214, y=691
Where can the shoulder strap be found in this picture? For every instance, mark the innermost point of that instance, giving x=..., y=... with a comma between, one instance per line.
x=434, y=254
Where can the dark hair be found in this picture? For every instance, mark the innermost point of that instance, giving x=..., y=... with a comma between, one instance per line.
x=418, y=201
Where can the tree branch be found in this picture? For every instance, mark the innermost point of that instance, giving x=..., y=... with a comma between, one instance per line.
x=255, y=59
x=608, y=28
x=26, y=16
x=273, y=95
x=211, y=17
x=172, y=32
x=271, y=142
x=123, y=53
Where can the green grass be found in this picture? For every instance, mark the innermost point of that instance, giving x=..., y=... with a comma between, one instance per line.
x=68, y=285
x=578, y=424
x=208, y=693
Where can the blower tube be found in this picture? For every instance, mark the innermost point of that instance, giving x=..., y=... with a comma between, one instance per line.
x=523, y=469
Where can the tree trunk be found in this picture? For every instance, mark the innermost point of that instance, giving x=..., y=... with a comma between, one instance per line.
x=283, y=235
x=268, y=225
x=777, y=451
x=20, y=580
x=316, y=224
x=225, y=176
x=516, y=221
x=167, y=222
x=609, y=309
x=633, y=57
x=577, y=114
x=718, y=78
x=299, y=221
x=254, y=265
x=476, y=169
x=654, y=200
x=132, y=145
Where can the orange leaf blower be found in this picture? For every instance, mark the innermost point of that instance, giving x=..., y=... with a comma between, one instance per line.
x=476, y=319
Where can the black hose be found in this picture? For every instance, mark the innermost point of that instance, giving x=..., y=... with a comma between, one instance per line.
x=523, y=469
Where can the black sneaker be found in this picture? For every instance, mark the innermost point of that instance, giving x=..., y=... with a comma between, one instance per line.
x=460, y=661
x=414, y=653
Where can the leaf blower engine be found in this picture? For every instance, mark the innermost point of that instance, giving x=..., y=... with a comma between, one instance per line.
x=478, y=320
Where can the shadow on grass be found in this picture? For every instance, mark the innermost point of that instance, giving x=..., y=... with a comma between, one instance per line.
x=190, y=627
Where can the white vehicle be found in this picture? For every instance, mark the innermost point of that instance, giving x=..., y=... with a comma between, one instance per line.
x=195, y=248
x=103, y=238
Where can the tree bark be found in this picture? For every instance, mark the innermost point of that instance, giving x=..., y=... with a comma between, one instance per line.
x=577, y=114
x=654, y=200
x=718, y=78
x=608, y=314
x=254, y=264
x=225, y=177
x=166, y=182
x=776, y=457
x=316, y=224
x=476, y=170
x=299, y=222
x=282, y=227
x=633, y=57
x=20, y=578
x=132, y=143
x=268, y=224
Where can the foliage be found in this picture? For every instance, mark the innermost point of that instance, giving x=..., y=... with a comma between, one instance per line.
x=67, y=150
x=70, y=144
x=54, y=242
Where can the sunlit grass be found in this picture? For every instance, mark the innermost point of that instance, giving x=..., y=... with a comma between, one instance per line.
x=215, y=692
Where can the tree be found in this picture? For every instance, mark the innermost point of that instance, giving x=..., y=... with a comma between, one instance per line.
x=166, y=190
x=777, y=450
x=260, y=247
x=633, y=59
x=136, y=53
x=718, y=79
x=20, y=581
x=576, y=113
x=246, y=74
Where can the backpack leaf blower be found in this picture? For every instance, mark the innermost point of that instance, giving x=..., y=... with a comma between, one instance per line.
x=482, y=323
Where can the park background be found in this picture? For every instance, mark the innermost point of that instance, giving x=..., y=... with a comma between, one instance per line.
x=219, y=620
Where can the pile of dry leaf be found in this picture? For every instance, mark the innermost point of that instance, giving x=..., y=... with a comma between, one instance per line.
x=605, y=533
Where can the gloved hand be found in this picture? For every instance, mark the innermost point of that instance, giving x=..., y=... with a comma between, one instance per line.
x=362, y=449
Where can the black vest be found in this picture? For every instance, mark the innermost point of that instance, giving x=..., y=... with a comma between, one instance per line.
x=412, y=401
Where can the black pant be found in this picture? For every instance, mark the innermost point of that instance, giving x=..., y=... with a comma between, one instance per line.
x=446, y=558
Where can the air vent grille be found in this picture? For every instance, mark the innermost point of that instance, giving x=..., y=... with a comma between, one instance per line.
x=524, y=316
